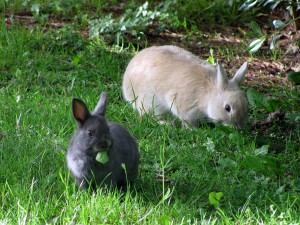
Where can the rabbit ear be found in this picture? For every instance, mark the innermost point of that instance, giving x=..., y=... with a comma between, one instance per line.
x=101, y=106
x=240, y=74
x=80, y=111
x=222, y=79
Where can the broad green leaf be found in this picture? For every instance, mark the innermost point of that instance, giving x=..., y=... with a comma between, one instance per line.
x=270, y=5
x=102, y=157
x=294, y=117
x=123, y=166
x=256, y=99
x=35, y=8
x=226, y=129
x=269, y=2
x=166, y=195
x=255, y=45
x=77, y=59
x=247, y=5
x=274, y=41
x=278, y=24
x=281, y=189
x=272, y=105
x=227, y=162
x=210, y=145
x=263, y=150
x=214, y=198
x=271, y=164
x=211, y=59
x=294, y=77
x=164, y=220
x=123, y=28
x=255, y=27
x=253, y=162
x=251, y=97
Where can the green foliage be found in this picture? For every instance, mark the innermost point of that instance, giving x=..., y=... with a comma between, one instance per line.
x=254, y=30
x=196, y=13
x=269, y=6
x=214, y=198
x=164, y=220
x=132, y=22
x=294, y=77
x=64, y=8
x=172, y=14
x=258, y=100
x=261, y=162
x=211, y=58
x=256, y=44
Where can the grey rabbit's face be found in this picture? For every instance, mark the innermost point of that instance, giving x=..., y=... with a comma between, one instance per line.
x=94, y=135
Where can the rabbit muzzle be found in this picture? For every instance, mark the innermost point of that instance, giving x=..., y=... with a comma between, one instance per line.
x=102, y=146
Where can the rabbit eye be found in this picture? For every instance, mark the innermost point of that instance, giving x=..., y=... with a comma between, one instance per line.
x=227, y=108
x=90, y=133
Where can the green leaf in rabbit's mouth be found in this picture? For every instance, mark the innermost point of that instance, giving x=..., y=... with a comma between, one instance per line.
x=102, y=157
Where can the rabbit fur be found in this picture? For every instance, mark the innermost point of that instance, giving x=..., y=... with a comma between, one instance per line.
x=169, y=79
x=94, y=134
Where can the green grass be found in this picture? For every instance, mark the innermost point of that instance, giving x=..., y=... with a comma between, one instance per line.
x=40, y=72
x=200, y=13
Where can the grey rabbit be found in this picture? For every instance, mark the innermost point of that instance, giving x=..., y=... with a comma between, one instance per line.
x=95, y=134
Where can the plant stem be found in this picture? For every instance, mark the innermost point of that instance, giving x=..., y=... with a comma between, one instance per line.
x=296, y=15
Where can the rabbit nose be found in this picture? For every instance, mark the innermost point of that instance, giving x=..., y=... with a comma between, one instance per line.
x=106, y=144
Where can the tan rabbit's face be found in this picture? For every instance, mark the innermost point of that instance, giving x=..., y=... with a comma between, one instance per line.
x=227, y=103
x=229, y=108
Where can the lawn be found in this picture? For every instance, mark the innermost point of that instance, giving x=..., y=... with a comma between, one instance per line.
x=206, y=175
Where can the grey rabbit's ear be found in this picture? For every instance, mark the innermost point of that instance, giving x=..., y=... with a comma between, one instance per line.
x=100, y=109
x=240, y=74
x=222, y=79
x=80, y=111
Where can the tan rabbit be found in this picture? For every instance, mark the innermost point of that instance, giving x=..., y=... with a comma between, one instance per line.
x=168, y=79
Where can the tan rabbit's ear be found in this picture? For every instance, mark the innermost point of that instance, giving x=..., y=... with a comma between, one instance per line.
x=240, y=74
x=100, y=109
x=80, y=111
x=222, y=79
